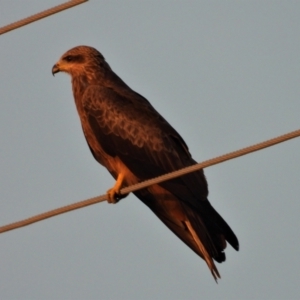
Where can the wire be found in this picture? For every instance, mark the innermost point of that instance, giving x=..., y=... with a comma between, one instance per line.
x=40, y=15
x=157, y=180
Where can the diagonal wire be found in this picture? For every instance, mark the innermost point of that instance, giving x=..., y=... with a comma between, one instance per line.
x=156, y=180
x=40, y=15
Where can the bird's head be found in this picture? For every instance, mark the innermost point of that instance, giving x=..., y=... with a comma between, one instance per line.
x=80, y=60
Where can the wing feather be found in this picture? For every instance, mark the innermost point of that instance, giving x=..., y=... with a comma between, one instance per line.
x=127, y=126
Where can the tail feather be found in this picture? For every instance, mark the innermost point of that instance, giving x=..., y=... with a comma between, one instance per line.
x=205, y=255
x=204, y=231
x=219, y=226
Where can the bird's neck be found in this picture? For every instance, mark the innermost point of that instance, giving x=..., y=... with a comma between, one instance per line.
x=81, y=81
x=79, y=85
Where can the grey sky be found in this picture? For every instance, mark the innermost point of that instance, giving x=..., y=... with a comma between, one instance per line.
x=225, y=74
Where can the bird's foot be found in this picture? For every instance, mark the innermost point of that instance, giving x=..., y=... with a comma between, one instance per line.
x=114, y=195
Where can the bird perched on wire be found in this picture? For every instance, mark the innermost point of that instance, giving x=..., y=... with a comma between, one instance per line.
x=135, y=143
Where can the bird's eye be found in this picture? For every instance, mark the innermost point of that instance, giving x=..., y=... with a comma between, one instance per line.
x=69, y=58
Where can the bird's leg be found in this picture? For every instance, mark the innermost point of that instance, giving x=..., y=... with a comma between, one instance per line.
x=113, y=194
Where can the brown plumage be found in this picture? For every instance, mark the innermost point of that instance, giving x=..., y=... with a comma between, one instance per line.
x=134, y=142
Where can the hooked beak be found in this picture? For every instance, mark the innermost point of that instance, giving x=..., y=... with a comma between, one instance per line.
x=55, y=69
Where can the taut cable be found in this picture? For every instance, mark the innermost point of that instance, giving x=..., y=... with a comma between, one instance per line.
x=40, y=15
x=156, y=180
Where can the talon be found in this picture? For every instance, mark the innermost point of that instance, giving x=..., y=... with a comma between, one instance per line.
x=114, y=194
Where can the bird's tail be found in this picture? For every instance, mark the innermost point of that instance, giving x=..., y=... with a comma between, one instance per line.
x=205, y=232
x=203, y=252
x=210, y=233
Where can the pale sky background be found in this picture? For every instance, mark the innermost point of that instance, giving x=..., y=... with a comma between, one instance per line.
x=225, y=74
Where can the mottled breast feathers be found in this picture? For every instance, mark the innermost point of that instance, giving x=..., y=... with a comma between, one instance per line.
x=124, y=126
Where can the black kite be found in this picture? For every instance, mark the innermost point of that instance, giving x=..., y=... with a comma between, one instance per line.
x=134, y=142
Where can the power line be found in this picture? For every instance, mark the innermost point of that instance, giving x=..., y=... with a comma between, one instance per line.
x=157, y=180
x=40, y=15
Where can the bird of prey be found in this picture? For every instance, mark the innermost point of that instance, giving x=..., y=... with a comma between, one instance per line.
x=134, y=142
